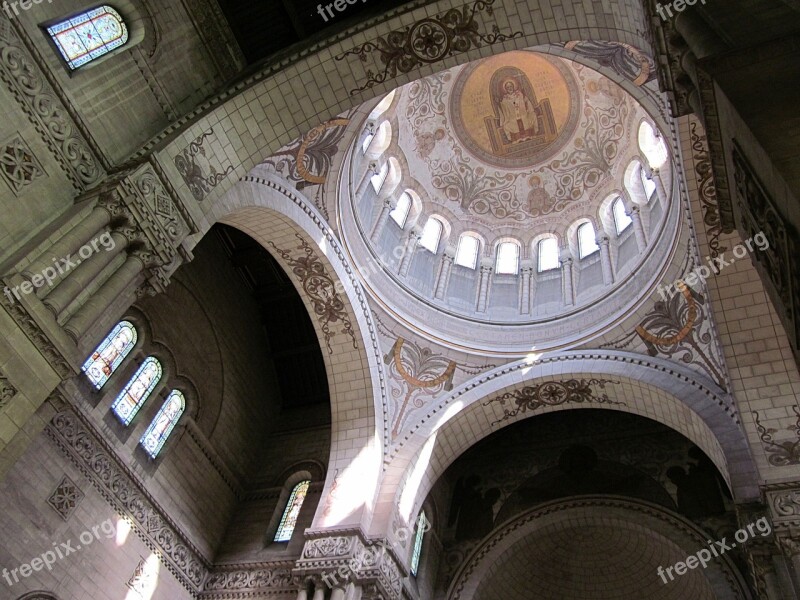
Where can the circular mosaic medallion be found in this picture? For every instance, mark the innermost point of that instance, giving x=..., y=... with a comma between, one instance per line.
x=515, y=110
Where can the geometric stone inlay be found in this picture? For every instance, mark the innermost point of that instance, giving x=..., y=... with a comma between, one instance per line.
x=65, y=498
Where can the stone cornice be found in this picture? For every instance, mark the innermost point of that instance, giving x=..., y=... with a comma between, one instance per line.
x=38, y=337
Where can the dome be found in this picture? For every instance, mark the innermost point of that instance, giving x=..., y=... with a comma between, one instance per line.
x=516, y=190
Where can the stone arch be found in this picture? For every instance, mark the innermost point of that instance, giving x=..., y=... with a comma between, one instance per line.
x=266, y=208
x=672, y=535
x=647, y=386
x=337, y=61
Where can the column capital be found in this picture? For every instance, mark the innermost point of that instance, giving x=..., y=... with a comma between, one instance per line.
x=342, y=556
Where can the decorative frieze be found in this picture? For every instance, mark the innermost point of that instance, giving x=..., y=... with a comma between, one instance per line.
x=22, y=72
x=91, y=455
x=338, y=557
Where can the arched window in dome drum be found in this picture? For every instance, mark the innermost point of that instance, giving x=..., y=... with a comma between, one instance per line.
x=621, y=219
x=399, y=213
x=507, y=262
x=648, y=184
x=467, y=251
x=547, y=250
x=431, y=235
x=587, y=244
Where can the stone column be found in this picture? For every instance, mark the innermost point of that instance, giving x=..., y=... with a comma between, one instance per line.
x=605, y=259
x=638, y=228
x=83, y=275
x=302, y=595
x=567, y=278
x=483, y=286
x=383, y=218
x=319, y=592
x=372, y=169
x=445, y=268
x=72, y=241
x=412, y=241
x=337, y=594
x=526, y=271
x=108, y=292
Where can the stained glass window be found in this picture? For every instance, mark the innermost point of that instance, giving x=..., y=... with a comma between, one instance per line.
x=621, y=219
x=110, y=353
x=89, y=35
x=166, y=419
x=138, y=389
x=586, y=240
x=507, y=259
x=548, y=254
x=289, y=519
x=422, y=525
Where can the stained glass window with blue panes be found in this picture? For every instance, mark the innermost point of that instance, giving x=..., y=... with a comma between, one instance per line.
x=166, y=419
x=137, y=391
x=110, y=353
x=89, y=35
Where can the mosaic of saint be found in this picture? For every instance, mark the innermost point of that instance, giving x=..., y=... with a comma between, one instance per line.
x=516, y=110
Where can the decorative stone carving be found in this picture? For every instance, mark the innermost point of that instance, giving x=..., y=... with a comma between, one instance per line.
x=777, y=264
x=349, y=556
x=37, y=336
x=7, y=391
x=51, y=114
x=19, y=166
x=141, y=578
x=321, y=290
x=428, y=41
x=328, y=547
x=118, y=486
x=65, y=498
x=267, y=576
